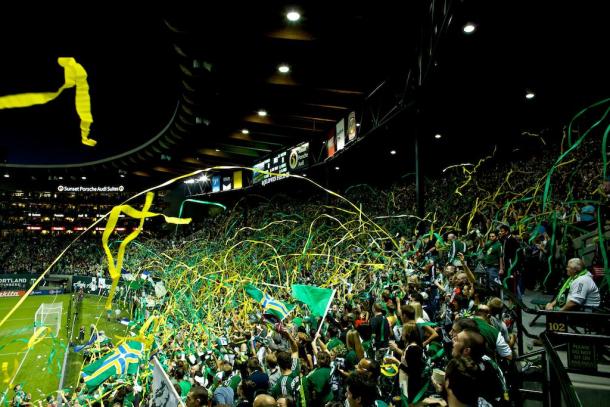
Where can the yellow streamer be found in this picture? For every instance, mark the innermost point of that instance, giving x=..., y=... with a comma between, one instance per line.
x=39, y=335
x=74, y=76
x=115, y=268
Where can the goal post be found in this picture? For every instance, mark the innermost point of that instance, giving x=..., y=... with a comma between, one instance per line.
x=49, y=315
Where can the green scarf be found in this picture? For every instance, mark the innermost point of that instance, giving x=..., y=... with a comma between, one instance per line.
x=561, y=299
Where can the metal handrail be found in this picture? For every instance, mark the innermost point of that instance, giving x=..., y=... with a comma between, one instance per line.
x=557, y=374
x=538, y=352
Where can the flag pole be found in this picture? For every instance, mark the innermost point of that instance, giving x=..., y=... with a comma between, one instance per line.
x=332, y=296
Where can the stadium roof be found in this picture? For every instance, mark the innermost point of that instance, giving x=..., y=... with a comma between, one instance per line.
x=180, y=89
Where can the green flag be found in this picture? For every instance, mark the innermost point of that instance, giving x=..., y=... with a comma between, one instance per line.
x=317, y=298
x=122, y=360
x=270, y=305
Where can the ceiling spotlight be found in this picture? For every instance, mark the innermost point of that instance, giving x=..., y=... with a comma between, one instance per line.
x=283, y=68
x=217, y=150
x=6, y=175
x=60, y=178
x=262, y=113
x=83, y=178
x=393, y=152
x=337, y=168
x=245, y=131
x=204, y=178
x=530, y=95
x=293, y=16
x=469, y=28
x=122, y=175
x=437, y=136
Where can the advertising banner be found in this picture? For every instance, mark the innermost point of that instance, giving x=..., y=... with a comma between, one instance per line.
x=351, y=126
x=51, y=291
x=12, y=293
x=299, y=157
x=237, y=179
x=226, y=183
x=216, y=183
x=16, y=281
x=330, y=143
x=340, y=131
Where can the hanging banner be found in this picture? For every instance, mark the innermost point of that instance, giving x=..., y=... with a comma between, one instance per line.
x=216, y=183
x=330, y=143
x=226, y=183
x=351, y=126
x=340, y=131
x=237, y=179
x=299, y=157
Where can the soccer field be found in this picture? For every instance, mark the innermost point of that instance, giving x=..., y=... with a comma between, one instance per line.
x=38, y=369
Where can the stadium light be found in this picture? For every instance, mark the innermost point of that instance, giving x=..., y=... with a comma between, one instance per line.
x=469, y=28
x=393, y=152
x=530, y=95
x=293, y=16
x=245, y=131
x=6, y=175
x=437, y=136
x=262, y=113
x=283, y=68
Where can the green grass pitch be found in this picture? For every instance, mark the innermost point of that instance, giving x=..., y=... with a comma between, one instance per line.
x=39, y=368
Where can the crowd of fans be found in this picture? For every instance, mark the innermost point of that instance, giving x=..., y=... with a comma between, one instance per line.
x=431, y=329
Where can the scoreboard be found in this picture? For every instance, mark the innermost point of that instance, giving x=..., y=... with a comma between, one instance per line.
x=284, y=162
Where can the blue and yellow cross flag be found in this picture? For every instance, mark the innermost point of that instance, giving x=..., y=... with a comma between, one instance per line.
x=124, y=359
x=270, y=305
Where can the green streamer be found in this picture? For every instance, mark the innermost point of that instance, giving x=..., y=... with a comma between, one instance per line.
x=572, y=147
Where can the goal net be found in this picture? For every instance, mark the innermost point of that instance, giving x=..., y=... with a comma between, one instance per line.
x=49, y=315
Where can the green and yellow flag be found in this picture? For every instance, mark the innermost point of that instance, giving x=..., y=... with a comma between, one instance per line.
x=124, y=359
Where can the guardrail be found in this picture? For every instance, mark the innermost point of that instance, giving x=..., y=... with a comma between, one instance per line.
x=557, y=383
x=581, y=349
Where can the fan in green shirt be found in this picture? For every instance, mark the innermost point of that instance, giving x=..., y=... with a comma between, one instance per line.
x=317, y=383
x=288, y=383
x=492, y=253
